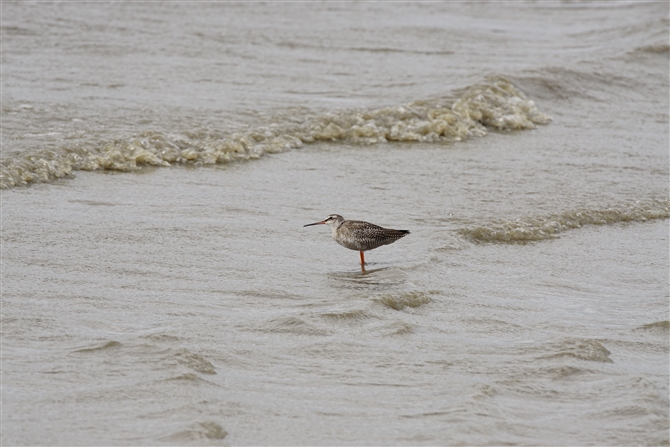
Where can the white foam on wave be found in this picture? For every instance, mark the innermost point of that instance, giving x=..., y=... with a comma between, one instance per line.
x=544, y=227
x=493, y=104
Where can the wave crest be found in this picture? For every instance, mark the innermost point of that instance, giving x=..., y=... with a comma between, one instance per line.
x=495, y=103
x=550, y=226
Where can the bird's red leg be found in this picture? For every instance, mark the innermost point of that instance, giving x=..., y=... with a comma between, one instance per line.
x=362, y=258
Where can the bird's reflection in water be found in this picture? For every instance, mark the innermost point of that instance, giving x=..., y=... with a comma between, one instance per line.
x=381, y=278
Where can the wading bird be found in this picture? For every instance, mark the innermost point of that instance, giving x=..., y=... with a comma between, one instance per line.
x=358, y=235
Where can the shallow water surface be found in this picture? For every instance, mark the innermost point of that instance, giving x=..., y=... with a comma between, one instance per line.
x=158, y=285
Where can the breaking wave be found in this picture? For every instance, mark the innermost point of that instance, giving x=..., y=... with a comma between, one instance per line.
x=550, y=226
x=493, y=104
x=582, y=349
x=399, y=301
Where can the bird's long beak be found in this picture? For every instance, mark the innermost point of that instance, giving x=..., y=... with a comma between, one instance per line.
x=315, y=223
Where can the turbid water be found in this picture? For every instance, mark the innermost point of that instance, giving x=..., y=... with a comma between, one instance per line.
x=159, y=162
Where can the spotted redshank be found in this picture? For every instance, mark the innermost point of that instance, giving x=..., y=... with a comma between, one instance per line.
x=358, y=235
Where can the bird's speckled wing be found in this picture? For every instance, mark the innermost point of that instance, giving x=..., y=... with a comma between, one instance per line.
x=363, y=236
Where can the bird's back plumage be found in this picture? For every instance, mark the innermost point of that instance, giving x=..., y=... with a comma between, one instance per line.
x=363, y=236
